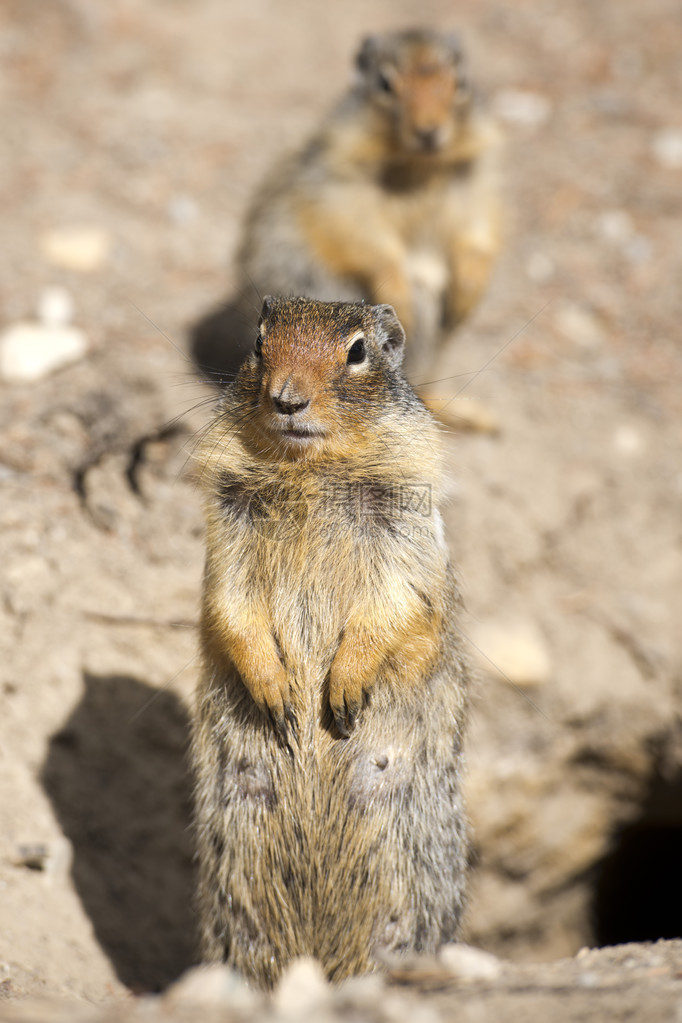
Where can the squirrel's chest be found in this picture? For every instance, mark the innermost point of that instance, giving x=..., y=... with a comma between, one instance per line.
x=313, y=568
x=418, y=206
x=313, y=543
x=322, y=546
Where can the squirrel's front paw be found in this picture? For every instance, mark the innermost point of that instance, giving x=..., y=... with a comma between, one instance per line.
x=345, y=700
x=273, y=696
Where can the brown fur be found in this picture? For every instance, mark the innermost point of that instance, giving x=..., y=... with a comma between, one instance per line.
x=394, y=199
x=330, y=712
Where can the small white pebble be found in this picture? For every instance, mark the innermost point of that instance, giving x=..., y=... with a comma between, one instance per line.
x=522, y=107
x=59, y=862
x=514, y=651
x=466, y=414
x=468, y=963
x=208, y=986
x=639, y=249
x=30, y=351
x=182, y=209
x=540, y=267
x=302, y=988
x=628, y=441
x=615, y=226
x=579, y=326
x=362, y=992
x=55, y=306
x=75, y=247
x=667, y=148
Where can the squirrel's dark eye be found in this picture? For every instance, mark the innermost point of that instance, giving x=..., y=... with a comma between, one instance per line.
x=384, y=83
x=356, y=352
x=259, y=346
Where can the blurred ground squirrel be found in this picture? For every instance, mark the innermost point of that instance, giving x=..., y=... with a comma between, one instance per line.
x=330, y=713
x=394, y=199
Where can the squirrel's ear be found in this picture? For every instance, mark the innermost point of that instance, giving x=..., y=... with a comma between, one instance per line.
x=464, y=91
x=454, y=45
x=266, y=308
x=366, y=55
x=390, y=335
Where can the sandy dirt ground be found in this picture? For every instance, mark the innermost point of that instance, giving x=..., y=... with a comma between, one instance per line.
x=133, y=134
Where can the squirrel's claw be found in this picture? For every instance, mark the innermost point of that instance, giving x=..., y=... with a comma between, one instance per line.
x=346, y=716
x=283, y=720
x=280, y=720
x=352, y=711
x=291, y=719
x=340, y=719
x=273, y=699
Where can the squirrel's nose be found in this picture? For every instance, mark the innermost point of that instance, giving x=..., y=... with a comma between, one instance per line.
x=427, y=138
x=289, y=406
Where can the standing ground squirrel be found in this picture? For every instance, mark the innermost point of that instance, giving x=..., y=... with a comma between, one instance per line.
x=394, y=198
x=330, y=712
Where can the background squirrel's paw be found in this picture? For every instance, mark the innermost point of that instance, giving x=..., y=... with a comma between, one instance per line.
x=472, y=273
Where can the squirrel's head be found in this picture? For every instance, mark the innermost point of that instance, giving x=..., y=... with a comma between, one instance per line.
x=417, y=80
x=321, y=376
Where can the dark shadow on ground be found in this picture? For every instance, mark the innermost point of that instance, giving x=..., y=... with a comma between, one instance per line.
x=220, y=341
x=118, y=779
x=637, y=893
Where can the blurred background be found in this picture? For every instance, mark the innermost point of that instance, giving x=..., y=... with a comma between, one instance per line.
x=132, y=136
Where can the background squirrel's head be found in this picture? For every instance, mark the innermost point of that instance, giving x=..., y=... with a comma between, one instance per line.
x=320, y=377
x=417, y=79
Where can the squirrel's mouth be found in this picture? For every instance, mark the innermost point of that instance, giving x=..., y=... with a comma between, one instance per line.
x=300, y=434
